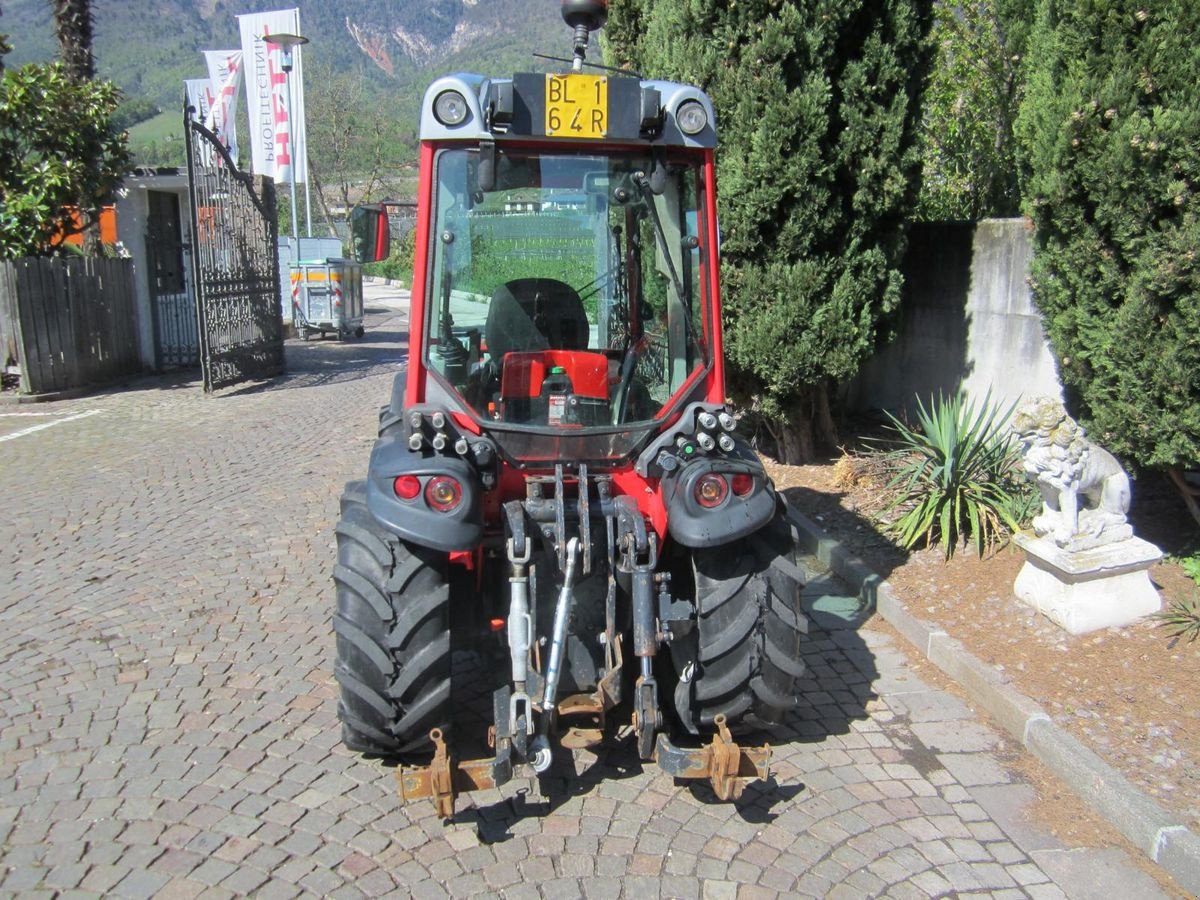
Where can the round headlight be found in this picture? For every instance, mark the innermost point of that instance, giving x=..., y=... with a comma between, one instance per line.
x=691, y=116
x=443, y=493
x=450, y=108
x=711, y=490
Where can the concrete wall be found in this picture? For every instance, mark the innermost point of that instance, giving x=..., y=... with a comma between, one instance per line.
x=967, y=322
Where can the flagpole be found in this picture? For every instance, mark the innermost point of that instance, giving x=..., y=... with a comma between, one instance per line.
x=307, y=200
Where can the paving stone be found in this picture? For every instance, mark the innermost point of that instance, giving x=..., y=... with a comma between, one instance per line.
x=245, y=881
x=140, y=884
x=170, y=727
x=1094, y=874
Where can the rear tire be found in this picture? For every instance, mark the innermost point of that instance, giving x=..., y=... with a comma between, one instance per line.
x=393, y=635
x=749, y=627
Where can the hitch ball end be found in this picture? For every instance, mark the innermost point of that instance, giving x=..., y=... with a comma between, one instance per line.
x=540, y=756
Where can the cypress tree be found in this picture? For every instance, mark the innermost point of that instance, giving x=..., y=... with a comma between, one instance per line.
x=968, y=167
x=1110, y=141
x=817, y=115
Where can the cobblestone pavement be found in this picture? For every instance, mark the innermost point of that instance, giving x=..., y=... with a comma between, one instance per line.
x=167, y=712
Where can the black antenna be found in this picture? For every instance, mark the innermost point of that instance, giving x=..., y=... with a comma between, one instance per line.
x=591, y=65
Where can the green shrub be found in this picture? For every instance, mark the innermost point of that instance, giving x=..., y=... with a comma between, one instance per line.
x=818, y=106
x=1109, y=132
x=399, y=265
x=1191, y=566
x=58, y=149
x=1182, y=616
x=956, y=477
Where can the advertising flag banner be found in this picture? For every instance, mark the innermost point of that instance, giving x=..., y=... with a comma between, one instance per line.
x=225, y=77
x=276, y=132
x=200, y=99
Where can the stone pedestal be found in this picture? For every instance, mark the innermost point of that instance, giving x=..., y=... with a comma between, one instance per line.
x=1083, y=590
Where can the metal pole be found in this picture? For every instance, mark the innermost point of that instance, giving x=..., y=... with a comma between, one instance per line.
x=292, y=167
x=307, y=201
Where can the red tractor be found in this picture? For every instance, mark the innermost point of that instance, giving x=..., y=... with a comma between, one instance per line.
x=557, y=480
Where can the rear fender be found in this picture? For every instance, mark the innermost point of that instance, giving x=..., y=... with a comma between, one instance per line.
x=414, y=520
x=692, y=525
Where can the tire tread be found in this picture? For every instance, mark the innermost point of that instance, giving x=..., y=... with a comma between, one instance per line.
x=750, y=624
x=392, y=628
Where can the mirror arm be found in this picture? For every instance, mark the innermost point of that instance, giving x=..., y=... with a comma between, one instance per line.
x=486, y=172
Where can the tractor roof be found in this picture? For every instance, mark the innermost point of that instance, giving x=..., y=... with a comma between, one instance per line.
x=602, y=107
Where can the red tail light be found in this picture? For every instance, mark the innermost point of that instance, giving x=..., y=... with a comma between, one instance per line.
x=742, y=484
x=407, y=487
x=443, y=493
x=711, y=490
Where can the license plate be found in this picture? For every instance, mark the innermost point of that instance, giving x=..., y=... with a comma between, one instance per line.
x=576, y=106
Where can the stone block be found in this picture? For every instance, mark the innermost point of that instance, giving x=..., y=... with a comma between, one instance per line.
x=1085, y=590
x=1095, y=874
x=917, y=630
x=1012, y=709
x=1104, y=788
x=1179, y=853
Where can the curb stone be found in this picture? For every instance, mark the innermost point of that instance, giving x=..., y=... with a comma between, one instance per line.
x=1163, y=839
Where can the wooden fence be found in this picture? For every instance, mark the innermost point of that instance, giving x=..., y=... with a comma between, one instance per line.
x=68, y=322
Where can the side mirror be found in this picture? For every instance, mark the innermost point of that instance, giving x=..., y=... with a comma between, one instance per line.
x=370, y=235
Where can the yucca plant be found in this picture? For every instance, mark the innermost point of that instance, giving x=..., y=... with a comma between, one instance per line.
x=1182, y=616
x=954, y=478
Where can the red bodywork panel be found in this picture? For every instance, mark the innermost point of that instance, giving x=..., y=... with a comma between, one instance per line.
x=414, y=388
x=524, y=373
x=712, y=324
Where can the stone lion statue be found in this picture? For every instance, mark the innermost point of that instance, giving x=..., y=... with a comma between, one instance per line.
x=1085, y=492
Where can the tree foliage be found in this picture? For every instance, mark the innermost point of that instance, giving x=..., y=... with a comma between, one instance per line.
x=57, y=145
x=968, y=152
x=356, y=152
x=817, y=113
x=1110, y=142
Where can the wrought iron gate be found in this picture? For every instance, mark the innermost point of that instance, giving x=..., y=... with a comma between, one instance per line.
x=235, y=258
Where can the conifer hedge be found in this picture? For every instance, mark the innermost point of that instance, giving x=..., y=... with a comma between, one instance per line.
x=1110, y=144
x=817, y=115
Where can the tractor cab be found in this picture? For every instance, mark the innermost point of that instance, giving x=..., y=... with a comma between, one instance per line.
x=569, y=293
x=565, y=283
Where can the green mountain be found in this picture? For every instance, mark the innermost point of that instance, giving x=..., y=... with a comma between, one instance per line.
x=368, y=59
x=148, y=47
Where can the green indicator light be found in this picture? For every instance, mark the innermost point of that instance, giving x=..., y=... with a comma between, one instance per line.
x=557, y=370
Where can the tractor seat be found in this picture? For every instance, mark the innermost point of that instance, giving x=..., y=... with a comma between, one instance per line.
x=535, y=314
